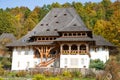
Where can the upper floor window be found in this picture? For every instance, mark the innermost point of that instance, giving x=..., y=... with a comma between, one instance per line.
x=83, y=47
x=65, y=47
x=26, y=51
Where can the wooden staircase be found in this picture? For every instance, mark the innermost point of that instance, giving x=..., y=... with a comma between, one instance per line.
x=46, y=63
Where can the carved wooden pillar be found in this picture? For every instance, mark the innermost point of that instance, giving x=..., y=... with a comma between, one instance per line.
x=61, y=48
x=41, y=54
x=69, y=48
x=78, y=49
x=87, y=48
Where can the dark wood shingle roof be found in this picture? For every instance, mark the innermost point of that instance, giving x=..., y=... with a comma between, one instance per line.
x=59, y=20
x=74, y=39
x=100, y=41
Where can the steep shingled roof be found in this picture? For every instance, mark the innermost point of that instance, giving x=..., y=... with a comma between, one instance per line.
x=58, y=20
x=8, y=36
x=100, y=41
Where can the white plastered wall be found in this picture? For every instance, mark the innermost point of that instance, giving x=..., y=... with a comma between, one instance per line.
x=74, y=61
x=99, y=53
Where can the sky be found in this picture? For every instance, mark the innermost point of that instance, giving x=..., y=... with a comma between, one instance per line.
x=31, y=4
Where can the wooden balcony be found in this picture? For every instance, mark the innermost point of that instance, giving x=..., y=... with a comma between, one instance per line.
x=74, y=52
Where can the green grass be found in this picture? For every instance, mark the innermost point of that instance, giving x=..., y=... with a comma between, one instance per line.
x=84, y=79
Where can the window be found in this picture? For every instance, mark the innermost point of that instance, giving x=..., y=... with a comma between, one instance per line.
x=26, y=51
x=50, y=38
x=55, y=16
x=65, y=60
x=70, y=34
x=41, y=24
x=65, y=34
x=43, y=38
x=83, y=47
x=74, y=61
x=82, y=61
x=74, y=24
x=65, y=14
x=19, y=51
x=83, y=34
x=28, y=64
x=39, y=38
x=79, y=34
x=57, y=22
x=74, y=34
x=55, y=29
x=46, y=38
x=35, y=63
x=18, y=64
x=46, y=24
x=48, y=30
x=34, y=32
x=65, y=47
x=74, y=47
x=103, y=48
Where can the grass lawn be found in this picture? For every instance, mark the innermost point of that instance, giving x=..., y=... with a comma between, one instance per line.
x=84, y=79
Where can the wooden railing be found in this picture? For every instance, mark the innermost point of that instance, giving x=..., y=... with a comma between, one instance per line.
x=74, y=52
x=45, y=64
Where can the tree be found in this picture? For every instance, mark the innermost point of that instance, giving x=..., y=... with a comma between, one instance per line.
x=7, y=23
x=97, y=64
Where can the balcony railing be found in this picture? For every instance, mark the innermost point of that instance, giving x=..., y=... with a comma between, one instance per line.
x=74, y=52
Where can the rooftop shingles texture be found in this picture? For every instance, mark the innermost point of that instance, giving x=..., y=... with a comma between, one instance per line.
x=51, y=21
x=60, y=19
x=74, y=29
x=41, y=43
x=100, y=41
x=74, y=39
x=47, y=33
x=16, y=44
x=7, y=36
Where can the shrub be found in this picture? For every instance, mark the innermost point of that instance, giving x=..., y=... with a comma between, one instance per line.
x=12, y=74
x=47, y=73
x=53, y=78
x=1, y=78
x=39, y=77
x=1, y=71
x=76, y=74
x=21, y=74
x=97, y=64
x=66, y=74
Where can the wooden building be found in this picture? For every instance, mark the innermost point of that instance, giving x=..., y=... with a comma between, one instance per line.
x=62, y=40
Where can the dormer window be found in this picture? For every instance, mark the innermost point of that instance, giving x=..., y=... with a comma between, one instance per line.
x=39, y=38
x=34, y=32
x=46, y=24
x=57, y=22
x=41, y=24
x=74, y=24
x=48, y=30
x=65, y=14
x=55, y=29
x=55, y=16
